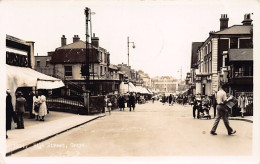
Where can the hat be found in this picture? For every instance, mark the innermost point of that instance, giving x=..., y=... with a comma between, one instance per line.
x=8, y=91
x=19, y=93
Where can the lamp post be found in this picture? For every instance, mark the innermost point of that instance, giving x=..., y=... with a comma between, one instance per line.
x=128, y=56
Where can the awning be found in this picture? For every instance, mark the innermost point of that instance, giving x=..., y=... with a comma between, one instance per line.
x=123, y=87
x=241, y=54
x=27, y=77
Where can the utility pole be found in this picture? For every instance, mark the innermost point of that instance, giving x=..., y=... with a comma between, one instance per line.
x=87, y=11
x=86, y=89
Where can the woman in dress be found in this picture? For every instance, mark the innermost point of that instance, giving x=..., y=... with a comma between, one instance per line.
x=43, y=107
x=36, y=105
x=242, y=103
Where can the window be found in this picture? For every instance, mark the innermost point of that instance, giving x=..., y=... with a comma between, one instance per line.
x=245, y=43
x=38, y=63
x=47, y=63
x=68, y=70
x=244, y=71
x=233, y=42
x=101, y=70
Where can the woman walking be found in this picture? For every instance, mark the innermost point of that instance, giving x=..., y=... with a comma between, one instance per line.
x=242, y=103
x=43, y=107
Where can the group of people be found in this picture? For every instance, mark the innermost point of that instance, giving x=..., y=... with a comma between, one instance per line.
x=35, y=104
x=121, y=101
x=219, y=101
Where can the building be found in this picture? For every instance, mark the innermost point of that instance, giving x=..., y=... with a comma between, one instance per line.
x=19, y=73
x=166, y=84
x=219, y=54
x=191, y=76
x=69, y=63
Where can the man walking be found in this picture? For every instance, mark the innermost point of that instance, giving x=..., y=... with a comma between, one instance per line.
x=132, y=101
x=20, y=109
x=222, y=112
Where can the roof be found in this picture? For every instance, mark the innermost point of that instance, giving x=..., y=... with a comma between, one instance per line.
x=111, y=66
x=74, y=56
x=9, y=37
x=194, y=55
x=237, y=29
x=75, y=45
x=241, y=54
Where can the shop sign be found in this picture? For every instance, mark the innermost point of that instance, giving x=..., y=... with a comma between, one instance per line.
x=16, y=59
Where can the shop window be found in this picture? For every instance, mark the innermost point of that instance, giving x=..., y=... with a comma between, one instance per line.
x=68, y=70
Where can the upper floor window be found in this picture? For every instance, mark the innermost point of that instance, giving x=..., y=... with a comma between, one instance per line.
x=245, y=43
x=38, y=63
x=105, y=58
x=47, y=63
x=68, y=70
x=233, y=42
x=101, y=70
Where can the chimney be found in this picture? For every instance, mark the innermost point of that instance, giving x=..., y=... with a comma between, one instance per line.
x=75, y=38
x=95, y=41
x=63, y=41
x=223, y=22
x=247, y=20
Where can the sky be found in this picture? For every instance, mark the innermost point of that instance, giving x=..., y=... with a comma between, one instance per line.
x=162, y=31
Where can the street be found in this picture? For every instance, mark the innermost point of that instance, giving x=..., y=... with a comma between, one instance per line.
x=153, y=129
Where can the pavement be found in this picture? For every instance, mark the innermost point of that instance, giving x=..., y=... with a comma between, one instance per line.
x=56, y=123
x=37, y=131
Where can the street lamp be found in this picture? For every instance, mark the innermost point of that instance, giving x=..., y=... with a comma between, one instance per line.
x=128, y=56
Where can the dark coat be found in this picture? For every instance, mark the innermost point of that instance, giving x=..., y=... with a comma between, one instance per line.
x=121, y=102
x=20, y=105
x=9, y=112
x=132, y=100
x=214, y=101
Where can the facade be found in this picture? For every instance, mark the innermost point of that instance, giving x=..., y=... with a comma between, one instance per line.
x=214, y=63
x=147, y=82
x=69, y=63
x=165, y=84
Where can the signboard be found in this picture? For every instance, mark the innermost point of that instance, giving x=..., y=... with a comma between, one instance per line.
x=16, y=59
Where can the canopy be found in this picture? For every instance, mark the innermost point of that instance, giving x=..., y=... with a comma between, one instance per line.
x=123, y=87
x=142, y=90
x=26, y=77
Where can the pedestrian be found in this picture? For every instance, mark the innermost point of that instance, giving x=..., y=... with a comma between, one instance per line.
x=9, y=111
x=36, y=106
x=222, y=112
x=132, y=101
x=242, y=103
x=30, y=104
x=170, y=99
x=196, y=106
x=108, y=104
x=121, y=102
x=43, y=107
x=214, y=102
x=20, y=106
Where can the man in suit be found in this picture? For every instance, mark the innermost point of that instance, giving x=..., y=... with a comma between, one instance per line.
x=20, y=109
